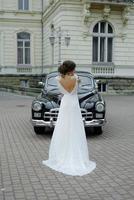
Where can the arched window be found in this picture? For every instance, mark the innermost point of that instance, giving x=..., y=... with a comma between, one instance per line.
x=102, y=42
x=23, y=4
x=23, y=48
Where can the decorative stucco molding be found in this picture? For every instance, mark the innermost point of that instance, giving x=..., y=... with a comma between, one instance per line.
x=126, y=15
x=122, y=35
x=86, y=12
x=85, y=34
x=51, y=2
x=106, y=11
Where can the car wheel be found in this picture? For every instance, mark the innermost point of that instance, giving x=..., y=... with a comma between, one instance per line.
x=98, y=130
x=39, y=130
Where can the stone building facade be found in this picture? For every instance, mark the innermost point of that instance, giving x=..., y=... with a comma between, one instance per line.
x=101, y=32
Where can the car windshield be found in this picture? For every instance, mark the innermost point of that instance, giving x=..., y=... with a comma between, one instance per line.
x=86, y=83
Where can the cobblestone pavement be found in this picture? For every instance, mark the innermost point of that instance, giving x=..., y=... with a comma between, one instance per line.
x=23, y=177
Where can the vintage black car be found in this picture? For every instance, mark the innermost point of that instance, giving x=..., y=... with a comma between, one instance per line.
x=45, y=107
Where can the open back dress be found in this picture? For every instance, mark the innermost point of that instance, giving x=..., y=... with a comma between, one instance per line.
x=68, y=150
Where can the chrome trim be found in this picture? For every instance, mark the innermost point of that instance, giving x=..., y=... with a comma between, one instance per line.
x=51, y=123
x=53, y=113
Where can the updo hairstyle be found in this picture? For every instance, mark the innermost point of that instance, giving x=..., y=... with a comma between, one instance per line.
x=66, y=67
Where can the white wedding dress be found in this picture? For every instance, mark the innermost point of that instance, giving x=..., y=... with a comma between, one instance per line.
x=68, y=151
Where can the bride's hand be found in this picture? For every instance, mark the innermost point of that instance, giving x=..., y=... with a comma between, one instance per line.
x=79, y=80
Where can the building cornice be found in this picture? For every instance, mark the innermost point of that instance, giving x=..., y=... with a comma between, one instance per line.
x=20, y=16
x=20, y=12
x=56, y=4
x=20, y=20
x=28, y=12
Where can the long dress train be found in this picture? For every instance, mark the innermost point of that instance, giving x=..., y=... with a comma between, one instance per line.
x=68, y=151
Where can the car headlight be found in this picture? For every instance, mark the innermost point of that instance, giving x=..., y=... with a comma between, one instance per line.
x=99, y=107
x=37, y=106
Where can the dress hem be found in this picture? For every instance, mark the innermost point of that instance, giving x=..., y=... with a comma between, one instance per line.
x=93, y=166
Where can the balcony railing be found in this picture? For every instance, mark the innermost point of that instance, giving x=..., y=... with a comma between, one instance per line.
x=122, y=2
x=101, y=69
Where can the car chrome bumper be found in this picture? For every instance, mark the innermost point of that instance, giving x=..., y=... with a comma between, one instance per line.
x=51, y=123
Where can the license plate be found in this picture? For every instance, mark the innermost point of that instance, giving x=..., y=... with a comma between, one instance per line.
x=99, y=115
x=37, y=114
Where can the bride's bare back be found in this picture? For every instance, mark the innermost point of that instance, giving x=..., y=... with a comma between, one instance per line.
x=68, y=82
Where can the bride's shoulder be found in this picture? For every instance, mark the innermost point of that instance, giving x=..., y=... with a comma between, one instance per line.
x=75, y=76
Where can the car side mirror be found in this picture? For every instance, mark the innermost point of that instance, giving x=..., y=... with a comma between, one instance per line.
x=41, y=84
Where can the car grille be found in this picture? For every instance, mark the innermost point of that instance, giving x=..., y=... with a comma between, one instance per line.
x=53, y=114
x=87, y=115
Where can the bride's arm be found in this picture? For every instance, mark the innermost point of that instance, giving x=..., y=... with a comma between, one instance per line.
x=79, y=80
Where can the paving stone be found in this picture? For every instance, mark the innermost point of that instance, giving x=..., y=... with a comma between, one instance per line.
x=63, y=196
x=23, y=177
x=9, y=197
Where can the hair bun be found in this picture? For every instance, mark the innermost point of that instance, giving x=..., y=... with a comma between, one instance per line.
x=66, y=66
x=62, y=69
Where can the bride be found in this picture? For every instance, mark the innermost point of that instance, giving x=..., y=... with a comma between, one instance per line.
x=68, y=151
